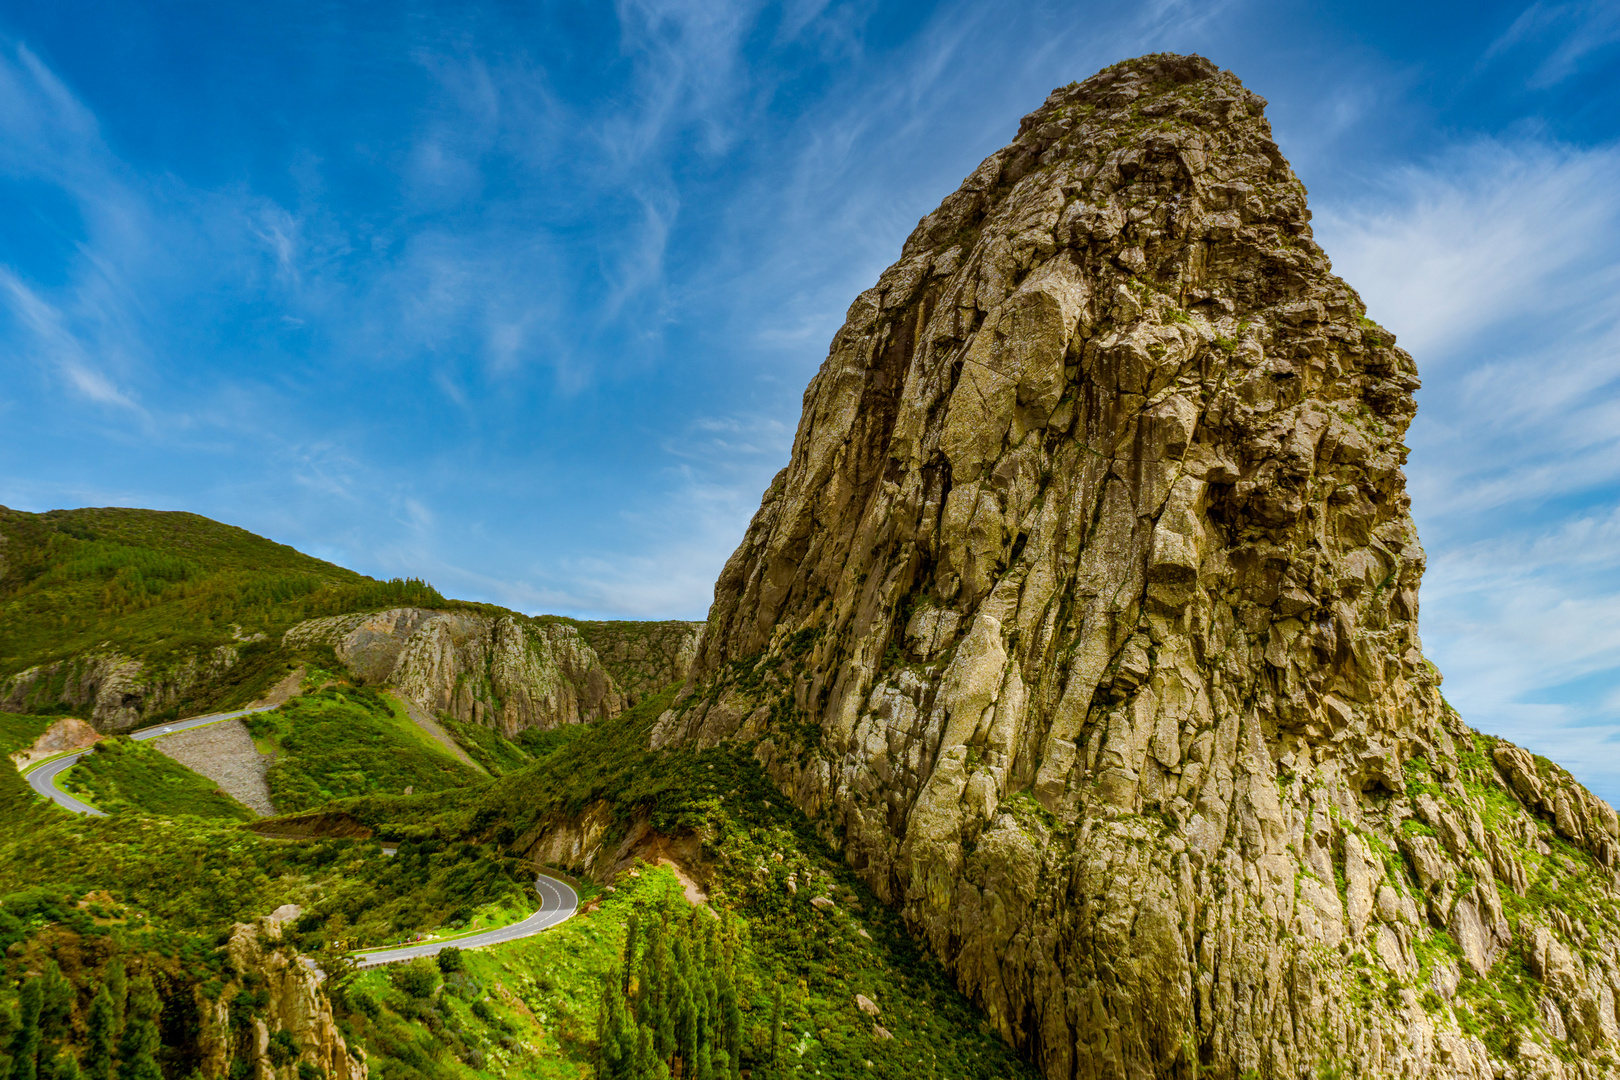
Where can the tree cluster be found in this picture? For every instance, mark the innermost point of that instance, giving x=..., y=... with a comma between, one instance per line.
x=671, y=1012
x=121, y=1040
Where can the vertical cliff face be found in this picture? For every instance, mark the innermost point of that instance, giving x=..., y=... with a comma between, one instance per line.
x=644, y=657
x=118, y=692
x=1084, y=618
x=497, y=670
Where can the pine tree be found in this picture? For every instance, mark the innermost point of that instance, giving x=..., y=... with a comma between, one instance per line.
x=776, y=1021
x=686, y=1027
x=8, y=1028
x=102, y=1028
x=613, y=1055
x=647, y=1064
x=118, y=986
x=56, y=1002
x=730, y=1034
x=663, y=1018
x=55, y=1063
x=630, y=932
x=25, y=1043
x=141, y=1041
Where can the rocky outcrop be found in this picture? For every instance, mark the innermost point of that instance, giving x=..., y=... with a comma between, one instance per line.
x=274, y=1014
x=503, y=671
x=644, y=657
x=63, y=735
x=117, y=692
x=1084, y=619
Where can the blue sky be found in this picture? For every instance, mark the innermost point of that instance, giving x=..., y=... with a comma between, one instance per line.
x=522, y=298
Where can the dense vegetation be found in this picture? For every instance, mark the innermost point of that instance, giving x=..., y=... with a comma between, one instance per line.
x=783, y=965
x=155, y=583
x=121, y=775
x=485, y=745
x=343, y=741
x=803, y=926
x=767, y=982
x=18, y=731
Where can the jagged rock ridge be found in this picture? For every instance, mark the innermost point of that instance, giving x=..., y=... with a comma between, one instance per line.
x=1084, y=619
x=501, y=671
x=117, y=692
x=294, y=1000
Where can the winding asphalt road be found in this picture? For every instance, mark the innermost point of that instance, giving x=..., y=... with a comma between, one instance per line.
x=42, y=777
x=558, y=900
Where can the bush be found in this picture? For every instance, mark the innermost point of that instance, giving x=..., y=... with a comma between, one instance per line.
x=418, y=978
x=362, y=1002
x=282, y=1048
x=450, y=960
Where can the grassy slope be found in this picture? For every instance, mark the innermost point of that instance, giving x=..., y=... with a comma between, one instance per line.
x=18, y=732
x=486, y=746
x=121, y=775
x=345, y=741
x=751, y=842
x=17, y=799
x=162, y=586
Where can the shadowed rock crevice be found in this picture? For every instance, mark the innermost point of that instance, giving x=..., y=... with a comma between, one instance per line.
x=1084, y=620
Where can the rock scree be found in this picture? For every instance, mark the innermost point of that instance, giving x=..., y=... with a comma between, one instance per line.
x=1084, y=620
x=224, y=752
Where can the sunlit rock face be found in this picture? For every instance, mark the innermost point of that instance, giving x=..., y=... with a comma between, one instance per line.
x=492, y=669
x=1084, y=619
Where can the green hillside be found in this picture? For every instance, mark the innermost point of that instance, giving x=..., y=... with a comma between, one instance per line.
x=158, y=584
x=777, y=958
x=123, y=776
x=350, y=740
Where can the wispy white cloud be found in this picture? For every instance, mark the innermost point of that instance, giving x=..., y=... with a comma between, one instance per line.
x=59, y=349
x=1568, y=34
x=1451, y=249
x=1496, y=264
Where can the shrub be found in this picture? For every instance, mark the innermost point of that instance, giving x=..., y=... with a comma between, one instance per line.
x=282, y=1048
x=450, y=960
x=418, y=978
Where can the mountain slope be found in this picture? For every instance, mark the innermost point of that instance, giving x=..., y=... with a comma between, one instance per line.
x=1084, y=620
x=131, y=617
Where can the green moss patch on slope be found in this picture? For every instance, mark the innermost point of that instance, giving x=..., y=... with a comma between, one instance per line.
x=344, y=741
x=123, y=775
x=18, y=731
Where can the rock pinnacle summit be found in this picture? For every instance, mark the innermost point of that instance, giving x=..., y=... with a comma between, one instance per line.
x=1083, y=620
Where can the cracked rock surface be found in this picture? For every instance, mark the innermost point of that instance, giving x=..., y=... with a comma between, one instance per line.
x=1084, y=620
